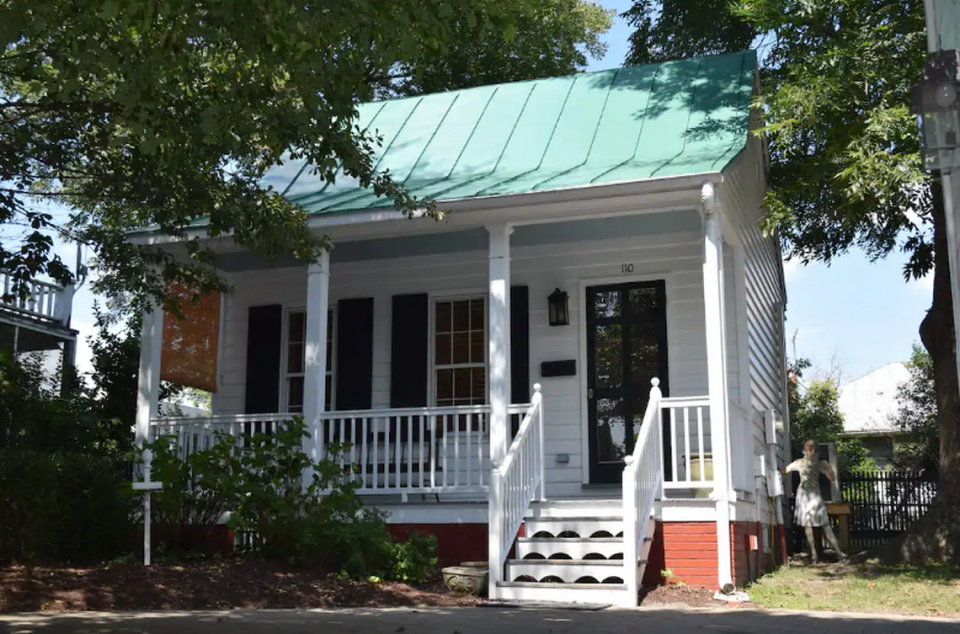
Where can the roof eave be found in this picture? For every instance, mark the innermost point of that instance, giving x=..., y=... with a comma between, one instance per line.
x=320, y=222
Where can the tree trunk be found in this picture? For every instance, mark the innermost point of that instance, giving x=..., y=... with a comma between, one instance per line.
x=936, y=537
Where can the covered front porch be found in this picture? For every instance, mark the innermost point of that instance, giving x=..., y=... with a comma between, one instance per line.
x=397, y=352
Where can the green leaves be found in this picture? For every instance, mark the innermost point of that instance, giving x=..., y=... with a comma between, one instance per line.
x=166, y=114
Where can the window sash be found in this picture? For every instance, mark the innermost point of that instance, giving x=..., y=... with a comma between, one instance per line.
x=451, y=322
x=293, y=341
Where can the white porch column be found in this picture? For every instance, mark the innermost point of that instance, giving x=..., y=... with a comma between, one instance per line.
x=715, y=322
x=315, y=355
x=498, y=384
x=499, y=340
x=148, y=382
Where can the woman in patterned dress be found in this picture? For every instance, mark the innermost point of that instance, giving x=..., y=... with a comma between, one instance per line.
x=810, y=510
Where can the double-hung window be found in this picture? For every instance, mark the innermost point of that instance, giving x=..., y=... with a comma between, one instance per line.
x=459, y=354
x=295, y=361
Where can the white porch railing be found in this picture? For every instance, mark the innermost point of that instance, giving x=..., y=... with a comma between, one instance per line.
x=642, y=478
x=393, y=451
x=515, y=484
x=199, y=433
x=44, y=301
x=422, y=450
x=689, y=457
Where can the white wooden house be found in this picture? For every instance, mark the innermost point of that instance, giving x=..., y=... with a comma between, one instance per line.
x=423, y=344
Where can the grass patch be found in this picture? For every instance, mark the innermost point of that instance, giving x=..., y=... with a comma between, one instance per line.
x=926, y=591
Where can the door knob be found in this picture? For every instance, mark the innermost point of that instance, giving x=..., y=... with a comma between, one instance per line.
x=590, y=393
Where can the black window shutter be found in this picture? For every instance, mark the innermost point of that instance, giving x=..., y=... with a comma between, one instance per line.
x=409, y=349
x=354, y=367
x=520, y=388
x=264, y=328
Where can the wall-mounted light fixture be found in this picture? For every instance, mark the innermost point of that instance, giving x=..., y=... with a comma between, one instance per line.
x=559, y=308
x=935, y=101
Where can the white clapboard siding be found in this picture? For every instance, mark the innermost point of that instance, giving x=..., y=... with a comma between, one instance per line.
x=764, y=298
x=676, y=257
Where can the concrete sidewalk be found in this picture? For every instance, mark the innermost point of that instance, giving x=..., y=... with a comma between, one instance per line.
x=476, y=621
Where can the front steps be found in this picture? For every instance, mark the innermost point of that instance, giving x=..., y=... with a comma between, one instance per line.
x=572, y=552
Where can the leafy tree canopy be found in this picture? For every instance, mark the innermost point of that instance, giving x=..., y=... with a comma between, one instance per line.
x=159, y=114
x=548, y=38
x=917, y=415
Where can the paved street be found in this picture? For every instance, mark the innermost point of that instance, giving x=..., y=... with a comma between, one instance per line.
x=475, y=621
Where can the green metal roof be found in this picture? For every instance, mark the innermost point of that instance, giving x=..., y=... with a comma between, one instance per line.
x=946, y=23
x=627, y=124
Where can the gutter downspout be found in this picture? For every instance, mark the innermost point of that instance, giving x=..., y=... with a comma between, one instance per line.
x=716, y=340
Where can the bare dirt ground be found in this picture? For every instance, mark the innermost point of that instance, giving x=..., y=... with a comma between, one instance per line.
x=205, y=585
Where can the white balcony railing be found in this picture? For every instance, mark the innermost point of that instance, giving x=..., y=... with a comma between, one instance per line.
x=688, y=461
x=44, y=301
x=393, y=451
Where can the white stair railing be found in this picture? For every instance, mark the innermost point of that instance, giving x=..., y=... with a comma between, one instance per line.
x=514, y=485
x=642, y=478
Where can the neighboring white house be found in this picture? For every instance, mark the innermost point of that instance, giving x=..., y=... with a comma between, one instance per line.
x=869, y=404
x=636, y=194
x=38, y=321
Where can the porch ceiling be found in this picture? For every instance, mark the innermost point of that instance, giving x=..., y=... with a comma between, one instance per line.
x=476, y=239
x=622, y=125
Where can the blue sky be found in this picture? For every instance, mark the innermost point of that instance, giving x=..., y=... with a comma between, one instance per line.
x=848, y=319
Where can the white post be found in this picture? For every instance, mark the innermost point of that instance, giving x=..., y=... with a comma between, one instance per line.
x=541, y=457
x=315, y=356
x=499, y=340
x=714, y=317
x=499, y=390
x=148, y=383
x=146, y=486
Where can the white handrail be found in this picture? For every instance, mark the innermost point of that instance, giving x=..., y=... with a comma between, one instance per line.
x=642, y=477
x=515, y=484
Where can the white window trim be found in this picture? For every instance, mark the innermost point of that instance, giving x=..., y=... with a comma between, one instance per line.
x=284, y=357
x=432, y=366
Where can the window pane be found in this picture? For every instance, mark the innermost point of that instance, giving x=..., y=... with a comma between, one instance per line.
x=328, y=398
x=442, y=348
x=444, y=387
x=295, y=394
x=477, y=315
x=607, y=304
x=295, y=358
x=461, y=386
x=461, y=347
x=461, y=316
x=444, y=318
x=477, y=345
x=607, y=353
x=478, y=388
x=298, y=326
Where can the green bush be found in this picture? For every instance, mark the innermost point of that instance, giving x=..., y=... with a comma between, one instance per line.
x=415, y=560
x=64, y=507
x=258, y=479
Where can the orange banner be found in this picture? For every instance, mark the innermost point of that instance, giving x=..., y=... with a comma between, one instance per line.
x=190, y=344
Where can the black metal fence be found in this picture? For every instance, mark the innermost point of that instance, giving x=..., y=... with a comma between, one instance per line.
x=883, y=504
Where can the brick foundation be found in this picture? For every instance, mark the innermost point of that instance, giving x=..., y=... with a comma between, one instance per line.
x=456, y=543
x=749, y=562
x=686, y=549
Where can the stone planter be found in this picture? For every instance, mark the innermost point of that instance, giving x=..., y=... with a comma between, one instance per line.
x=468, y=578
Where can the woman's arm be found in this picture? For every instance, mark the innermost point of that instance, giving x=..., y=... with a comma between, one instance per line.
x=791, y=467
x=828, y=470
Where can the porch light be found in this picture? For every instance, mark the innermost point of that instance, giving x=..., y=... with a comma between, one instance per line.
x=559, y=308
x=935, y=101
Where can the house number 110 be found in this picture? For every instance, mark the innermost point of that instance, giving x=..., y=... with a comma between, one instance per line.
x=626, y=268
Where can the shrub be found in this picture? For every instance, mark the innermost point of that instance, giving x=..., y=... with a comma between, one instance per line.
x=63, y=507
x=258, y=479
